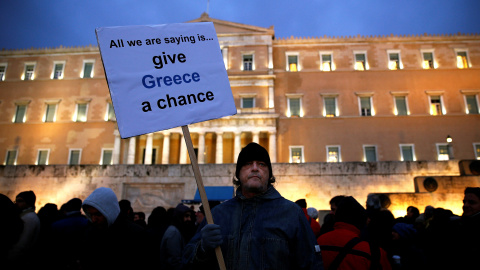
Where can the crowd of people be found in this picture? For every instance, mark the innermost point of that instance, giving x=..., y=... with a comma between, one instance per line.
x=257, y=229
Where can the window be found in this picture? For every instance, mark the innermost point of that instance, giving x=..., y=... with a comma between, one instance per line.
x=330, y=107
x=29, y=70
x=401, y=105
x=294, y=106
x=333, y=153
x=87, y=71
x=407, y=152
x=81, y=112
x=247, y=102
x=42, y=157
x=326, y=61
x=20, y=113
x=107, y=157
x=428, y=60
x=471, y=104
x=11, y=157
x=50, y=112
x=443, y=151
x=366, y=106
x=57, y=72
x=110, y=114
x=74, y=156
x=248, y=62
x=296, y=154
x=462, y=59
x=394, y=62
x=3, y=70
x=292, y=62
x=476, y=148
x=370, y=153
x=360, y=61
x=436, y=105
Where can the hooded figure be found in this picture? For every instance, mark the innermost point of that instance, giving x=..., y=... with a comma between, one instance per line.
x=176, y=237
x=105, y=201
x=111, y=241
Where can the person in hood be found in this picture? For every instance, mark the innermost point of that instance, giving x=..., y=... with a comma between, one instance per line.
x=258, y=228
x=111, y=240
x=176, y=237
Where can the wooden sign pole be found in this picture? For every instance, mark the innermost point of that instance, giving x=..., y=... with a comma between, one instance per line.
x=201, y=190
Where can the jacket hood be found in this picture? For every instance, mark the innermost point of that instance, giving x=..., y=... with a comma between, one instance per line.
x=106, y=202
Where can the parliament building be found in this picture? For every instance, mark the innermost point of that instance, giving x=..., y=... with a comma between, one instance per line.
x=313, y=99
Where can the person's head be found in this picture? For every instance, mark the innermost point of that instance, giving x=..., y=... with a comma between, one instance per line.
x=471, y=201
x=138, y=216
x=334, y=202
x=413, y=212
x=183, y=214
x=126, y=209
x=253, y=172
x=200, y=215
x=158, y=217
x=73, y=205
x=351, y=212
x=302, y=203
x=25, y=199
x=312, y=212
x=101, y=207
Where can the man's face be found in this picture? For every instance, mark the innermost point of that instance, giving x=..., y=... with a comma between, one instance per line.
x=20, y=203
x=187, y=217
x=254, y=177
x=200, y=216
x=98, y=220
x=471, y=205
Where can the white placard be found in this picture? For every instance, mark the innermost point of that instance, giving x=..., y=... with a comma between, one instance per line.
x=164, y=76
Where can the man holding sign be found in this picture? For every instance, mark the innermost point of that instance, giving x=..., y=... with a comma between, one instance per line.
x=258, y=229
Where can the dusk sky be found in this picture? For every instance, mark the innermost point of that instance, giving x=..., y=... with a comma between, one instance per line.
x=51, y=23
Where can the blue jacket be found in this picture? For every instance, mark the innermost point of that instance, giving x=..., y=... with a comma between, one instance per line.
x=264, y=232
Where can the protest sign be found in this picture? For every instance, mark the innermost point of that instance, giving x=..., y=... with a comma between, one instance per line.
x=164, y=76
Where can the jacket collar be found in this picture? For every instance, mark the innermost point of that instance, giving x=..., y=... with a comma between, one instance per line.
x=270, y=194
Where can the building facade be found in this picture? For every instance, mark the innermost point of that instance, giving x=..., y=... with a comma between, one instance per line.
x=327, y=99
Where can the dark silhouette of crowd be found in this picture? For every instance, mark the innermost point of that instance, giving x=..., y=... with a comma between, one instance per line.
x=102, y=232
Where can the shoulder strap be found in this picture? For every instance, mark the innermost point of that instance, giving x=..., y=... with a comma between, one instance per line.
x=343, y=252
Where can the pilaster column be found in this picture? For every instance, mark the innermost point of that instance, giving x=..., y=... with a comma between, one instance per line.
x=219, y=148
x=272, y=146
x=116, y=147
x=166, y=148
x=237, y=146
x=271, y=95
x=148, y=149
x=131, y=150
x=183, y=150
x=201, y=148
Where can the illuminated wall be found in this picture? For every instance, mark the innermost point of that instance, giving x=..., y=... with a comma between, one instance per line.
x=166, y=185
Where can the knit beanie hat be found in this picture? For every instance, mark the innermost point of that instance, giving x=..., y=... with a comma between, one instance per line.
x=253, y=152
x=28, y=196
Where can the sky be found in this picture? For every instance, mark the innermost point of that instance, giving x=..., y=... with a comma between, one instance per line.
x=53, y=23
